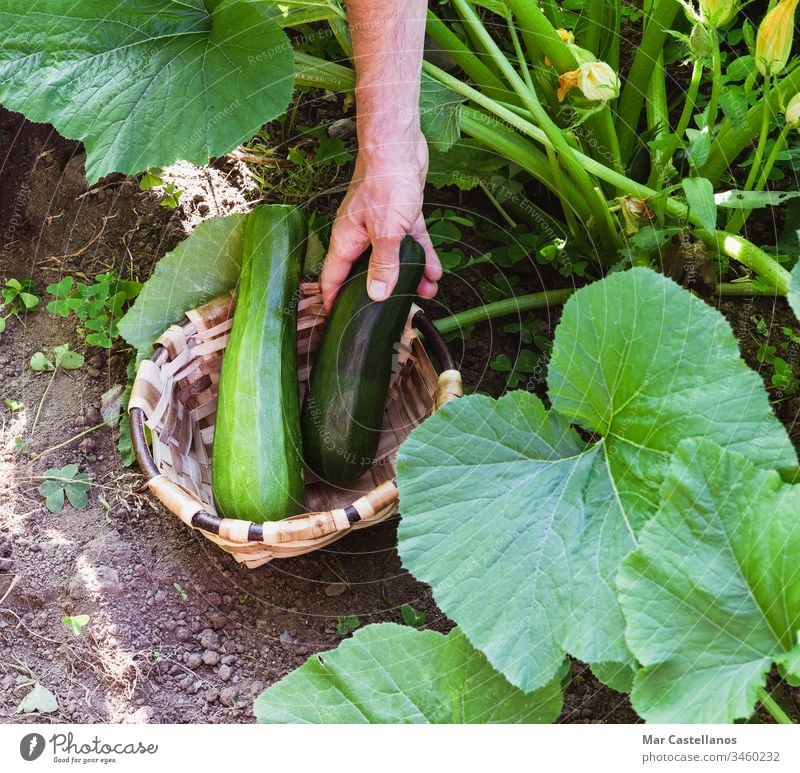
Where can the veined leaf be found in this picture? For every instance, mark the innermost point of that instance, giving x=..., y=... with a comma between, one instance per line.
x=794, y=290
x=439, y=113
x=388, y=673
x=700, y=197
x=201, y=267
x=712, y=593
x=520, y=526
x=146, y=83
x=753, y=199
x=466, y=164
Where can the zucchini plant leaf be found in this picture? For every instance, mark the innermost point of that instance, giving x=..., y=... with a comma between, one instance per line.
x=388, y=673
x=700, y=197
x=794, y=290
x=144, y=84
x=753, y=199
x=439, y=113
x=466, y=164
x=204, y=265
x=519, y=526
x=711, y=595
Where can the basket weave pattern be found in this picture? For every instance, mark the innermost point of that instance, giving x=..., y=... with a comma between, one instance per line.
x=176, y=393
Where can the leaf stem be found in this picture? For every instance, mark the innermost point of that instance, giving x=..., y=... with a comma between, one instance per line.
x=461, y=54
x=716, y=82
x=76, y=437
x=657, y=175
x=503, y=308
x=772, y=707
x=630, y=102
x=41, y=402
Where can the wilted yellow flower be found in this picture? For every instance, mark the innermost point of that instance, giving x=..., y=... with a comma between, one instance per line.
x=793, y=110
x=566, y=35
x=774, y=38
x=716, y=13
x=596, y=80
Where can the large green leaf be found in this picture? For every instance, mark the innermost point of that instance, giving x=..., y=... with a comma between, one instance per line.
x=519, y=526
x=794, y=290
x=146, y=83
x=439, y=113
x=712, y=593
x=466, y=164
x=201, y=267
x=389, y=673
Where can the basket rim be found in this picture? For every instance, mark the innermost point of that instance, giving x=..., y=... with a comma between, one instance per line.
x=204, y=521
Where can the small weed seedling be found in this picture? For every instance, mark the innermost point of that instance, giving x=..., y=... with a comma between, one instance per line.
x=518, y=370
x=413, y=617
x=346, y=624
x=18, y=296
x=152, y=179
x=63, y=357
x=13, y=405
x=65, y=482
x=98, y=306
x=76, y=623
x=182, y=592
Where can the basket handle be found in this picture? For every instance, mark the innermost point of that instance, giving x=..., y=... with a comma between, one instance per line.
x=449, y=386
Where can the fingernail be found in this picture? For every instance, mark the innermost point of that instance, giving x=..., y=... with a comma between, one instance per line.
x=377, y=290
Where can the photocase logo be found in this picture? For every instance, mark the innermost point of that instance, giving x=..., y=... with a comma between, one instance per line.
x=31, y=747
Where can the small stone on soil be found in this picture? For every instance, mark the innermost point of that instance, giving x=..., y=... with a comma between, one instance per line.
x=210, y=658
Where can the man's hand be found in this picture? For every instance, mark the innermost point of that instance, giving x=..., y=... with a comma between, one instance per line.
x=384, y=201
x=382, y=205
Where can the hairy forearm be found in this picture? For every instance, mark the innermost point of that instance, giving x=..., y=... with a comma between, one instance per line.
x=388, y=38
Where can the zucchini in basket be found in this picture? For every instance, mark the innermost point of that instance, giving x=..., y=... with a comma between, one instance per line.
x=257, y=467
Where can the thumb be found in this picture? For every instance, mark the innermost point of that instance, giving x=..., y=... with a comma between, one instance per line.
x=384, y=267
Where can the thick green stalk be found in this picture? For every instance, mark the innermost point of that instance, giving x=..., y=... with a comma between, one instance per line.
x=748, y=255
x=478, y=44
x=739, y=217
x=609, y=50
x=716, y=82
x=544, y=300
x=540, y=36
x=593, y=26
x=772, y=707
x=503, y=308
x=510, y=145
x=731, y=289
x=552, y=12
x=463, y=56
x=609, y=238
x=312, y=71
x=657, y=110
x=341, y=32
x=663, y=161
x=631, y=100
x=732, y=139
x=296, y=14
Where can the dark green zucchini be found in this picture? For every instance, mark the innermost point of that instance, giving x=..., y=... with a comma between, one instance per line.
x=257, y=469
x=343, y=410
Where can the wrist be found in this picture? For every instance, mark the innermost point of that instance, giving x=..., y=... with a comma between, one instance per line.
x=389, y=135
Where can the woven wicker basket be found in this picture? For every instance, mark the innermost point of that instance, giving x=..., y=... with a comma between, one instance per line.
x=175, y=395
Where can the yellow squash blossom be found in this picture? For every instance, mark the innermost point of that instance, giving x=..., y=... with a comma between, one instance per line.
x=774, y=38
x=717, y=13
x=793, y=110
x=597, y=81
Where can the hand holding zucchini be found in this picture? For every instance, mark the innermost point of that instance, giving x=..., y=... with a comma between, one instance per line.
x=343, y=410
x=257, y=467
